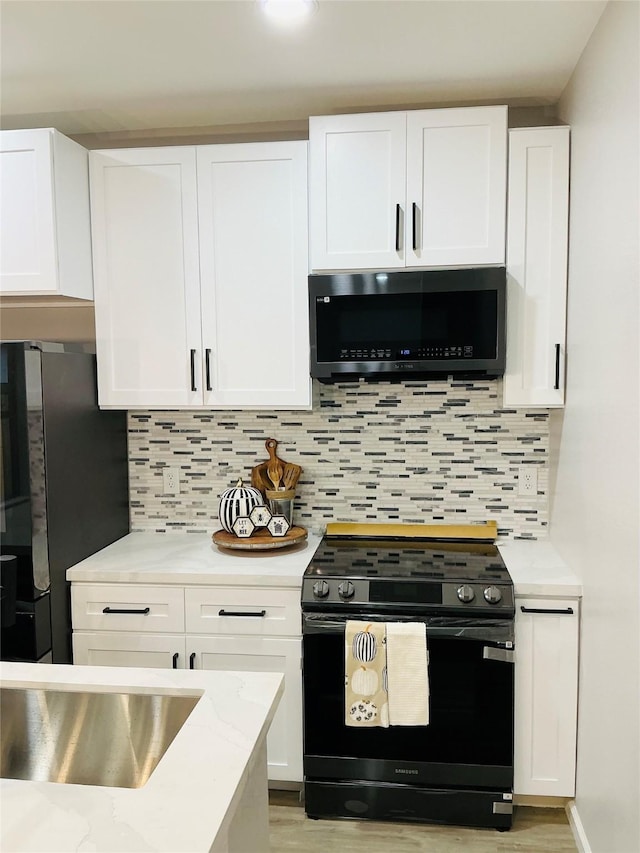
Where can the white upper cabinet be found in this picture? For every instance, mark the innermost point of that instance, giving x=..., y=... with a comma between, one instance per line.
x=408, y=189
x=147, y=279
x=537, y=226
x=252, y=207
x=45, y=237
x=357, y=188
x=201, y=276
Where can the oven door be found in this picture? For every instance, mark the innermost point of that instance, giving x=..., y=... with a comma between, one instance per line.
x=469, y=740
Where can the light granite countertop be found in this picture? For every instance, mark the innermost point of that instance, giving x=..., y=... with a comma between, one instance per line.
x=191, y=558
x=537, y=569
x=189, y=799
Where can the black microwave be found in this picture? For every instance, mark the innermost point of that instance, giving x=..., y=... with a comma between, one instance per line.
x=403, y=325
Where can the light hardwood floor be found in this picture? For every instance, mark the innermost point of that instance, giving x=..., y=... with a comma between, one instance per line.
x=535, y=830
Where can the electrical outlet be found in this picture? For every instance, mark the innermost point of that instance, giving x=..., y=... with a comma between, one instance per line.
x=527, y=480
x=171, y=481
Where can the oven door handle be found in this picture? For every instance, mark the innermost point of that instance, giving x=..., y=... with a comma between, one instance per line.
x=500, y=635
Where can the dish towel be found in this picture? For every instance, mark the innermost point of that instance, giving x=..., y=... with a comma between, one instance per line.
x=407, y=673
x=365, y=691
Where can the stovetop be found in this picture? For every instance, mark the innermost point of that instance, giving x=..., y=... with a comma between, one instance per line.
x=444, y=576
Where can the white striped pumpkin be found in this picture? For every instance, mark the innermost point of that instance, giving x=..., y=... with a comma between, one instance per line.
x=364, y=681
x=364, y=646
x=236, y=502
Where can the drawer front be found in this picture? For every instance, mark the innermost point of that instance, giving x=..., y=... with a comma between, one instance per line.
x=127, y=607
x=246, y=610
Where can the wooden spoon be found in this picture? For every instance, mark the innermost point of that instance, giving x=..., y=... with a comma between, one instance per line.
x=291, y=474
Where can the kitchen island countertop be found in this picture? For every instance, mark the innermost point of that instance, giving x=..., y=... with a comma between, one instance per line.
x=209, y=788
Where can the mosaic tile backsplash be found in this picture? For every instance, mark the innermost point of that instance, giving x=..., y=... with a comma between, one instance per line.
x=440, y=451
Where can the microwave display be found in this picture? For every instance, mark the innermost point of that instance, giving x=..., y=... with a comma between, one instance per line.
x=408, y=322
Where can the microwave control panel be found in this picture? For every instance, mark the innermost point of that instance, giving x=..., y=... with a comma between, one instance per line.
x=416, y=353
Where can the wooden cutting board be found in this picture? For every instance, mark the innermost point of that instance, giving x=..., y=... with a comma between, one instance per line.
x=487, y=532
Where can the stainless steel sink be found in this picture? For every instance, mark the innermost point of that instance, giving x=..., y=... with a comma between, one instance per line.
x=112, y=739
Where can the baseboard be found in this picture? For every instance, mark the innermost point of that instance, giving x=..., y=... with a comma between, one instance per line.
x=579, y=835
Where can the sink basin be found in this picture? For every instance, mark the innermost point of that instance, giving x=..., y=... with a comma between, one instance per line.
x=87, y=738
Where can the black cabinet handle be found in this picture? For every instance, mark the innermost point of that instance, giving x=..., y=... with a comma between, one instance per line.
x=192, y=660
x=207, y=368
x=258, y=613
x=568, y=611
x=143, y=610
x=175, y=660
x=193, y=370
x=415, y=226
x=557, y=381
x=398, y=242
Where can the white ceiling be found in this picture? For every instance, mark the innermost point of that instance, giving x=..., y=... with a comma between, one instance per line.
x=111, y=65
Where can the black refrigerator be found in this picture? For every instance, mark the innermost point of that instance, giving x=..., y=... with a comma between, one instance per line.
x=63, y=490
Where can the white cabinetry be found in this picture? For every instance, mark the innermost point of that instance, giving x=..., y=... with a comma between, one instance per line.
x=416, y=189
x=537, y=226
x=546, y=696
x=201, y=276
x=214, y=627
x=45, y=238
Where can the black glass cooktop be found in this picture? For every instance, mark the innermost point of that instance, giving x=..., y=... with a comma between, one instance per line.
x=419, y=560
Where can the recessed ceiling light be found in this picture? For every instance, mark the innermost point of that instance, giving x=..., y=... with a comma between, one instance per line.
x=288, y=11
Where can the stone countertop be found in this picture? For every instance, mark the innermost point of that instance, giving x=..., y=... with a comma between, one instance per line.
x=192, y=558
x=537, y=569
x=189, y=798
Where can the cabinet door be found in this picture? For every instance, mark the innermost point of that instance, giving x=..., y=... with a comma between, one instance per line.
x=538, y=212
x=106, y=648
x=264, y=654
x=147, y=284
x=456, y=186
x=546, y=697
x=357, y=190
x=252, y=203
x=45, y=239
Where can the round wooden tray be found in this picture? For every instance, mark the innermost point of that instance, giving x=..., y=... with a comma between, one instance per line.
x=260, y=540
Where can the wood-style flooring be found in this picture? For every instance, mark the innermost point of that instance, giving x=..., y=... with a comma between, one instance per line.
x=535, y=830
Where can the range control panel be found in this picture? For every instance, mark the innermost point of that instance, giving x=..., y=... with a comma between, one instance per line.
x=328, y=591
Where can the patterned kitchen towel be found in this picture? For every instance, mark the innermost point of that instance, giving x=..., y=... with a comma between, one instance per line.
x=408, y=677
x=365, y=691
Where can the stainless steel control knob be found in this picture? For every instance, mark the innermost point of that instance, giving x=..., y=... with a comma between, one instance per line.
x=492, y=595
x=321, y=589
x=466, y=593
x=346, y=590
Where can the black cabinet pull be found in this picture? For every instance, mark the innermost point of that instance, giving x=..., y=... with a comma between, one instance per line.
x=192, y=660
x=207, y=368
x=175, y=660
x=193, y=370
x=556, y=385
x=398, y=242
x=258, y=613
x=415, y=226
x=567, y=611
x=143, y=611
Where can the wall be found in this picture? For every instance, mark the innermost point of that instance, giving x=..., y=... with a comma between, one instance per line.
x=439, y=451
x=595, y=511
x=40, y=321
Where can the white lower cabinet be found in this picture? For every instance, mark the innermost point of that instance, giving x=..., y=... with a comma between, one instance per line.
x=243, y=629
x=110, y=648
x=263, y=654
x=546, y=696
